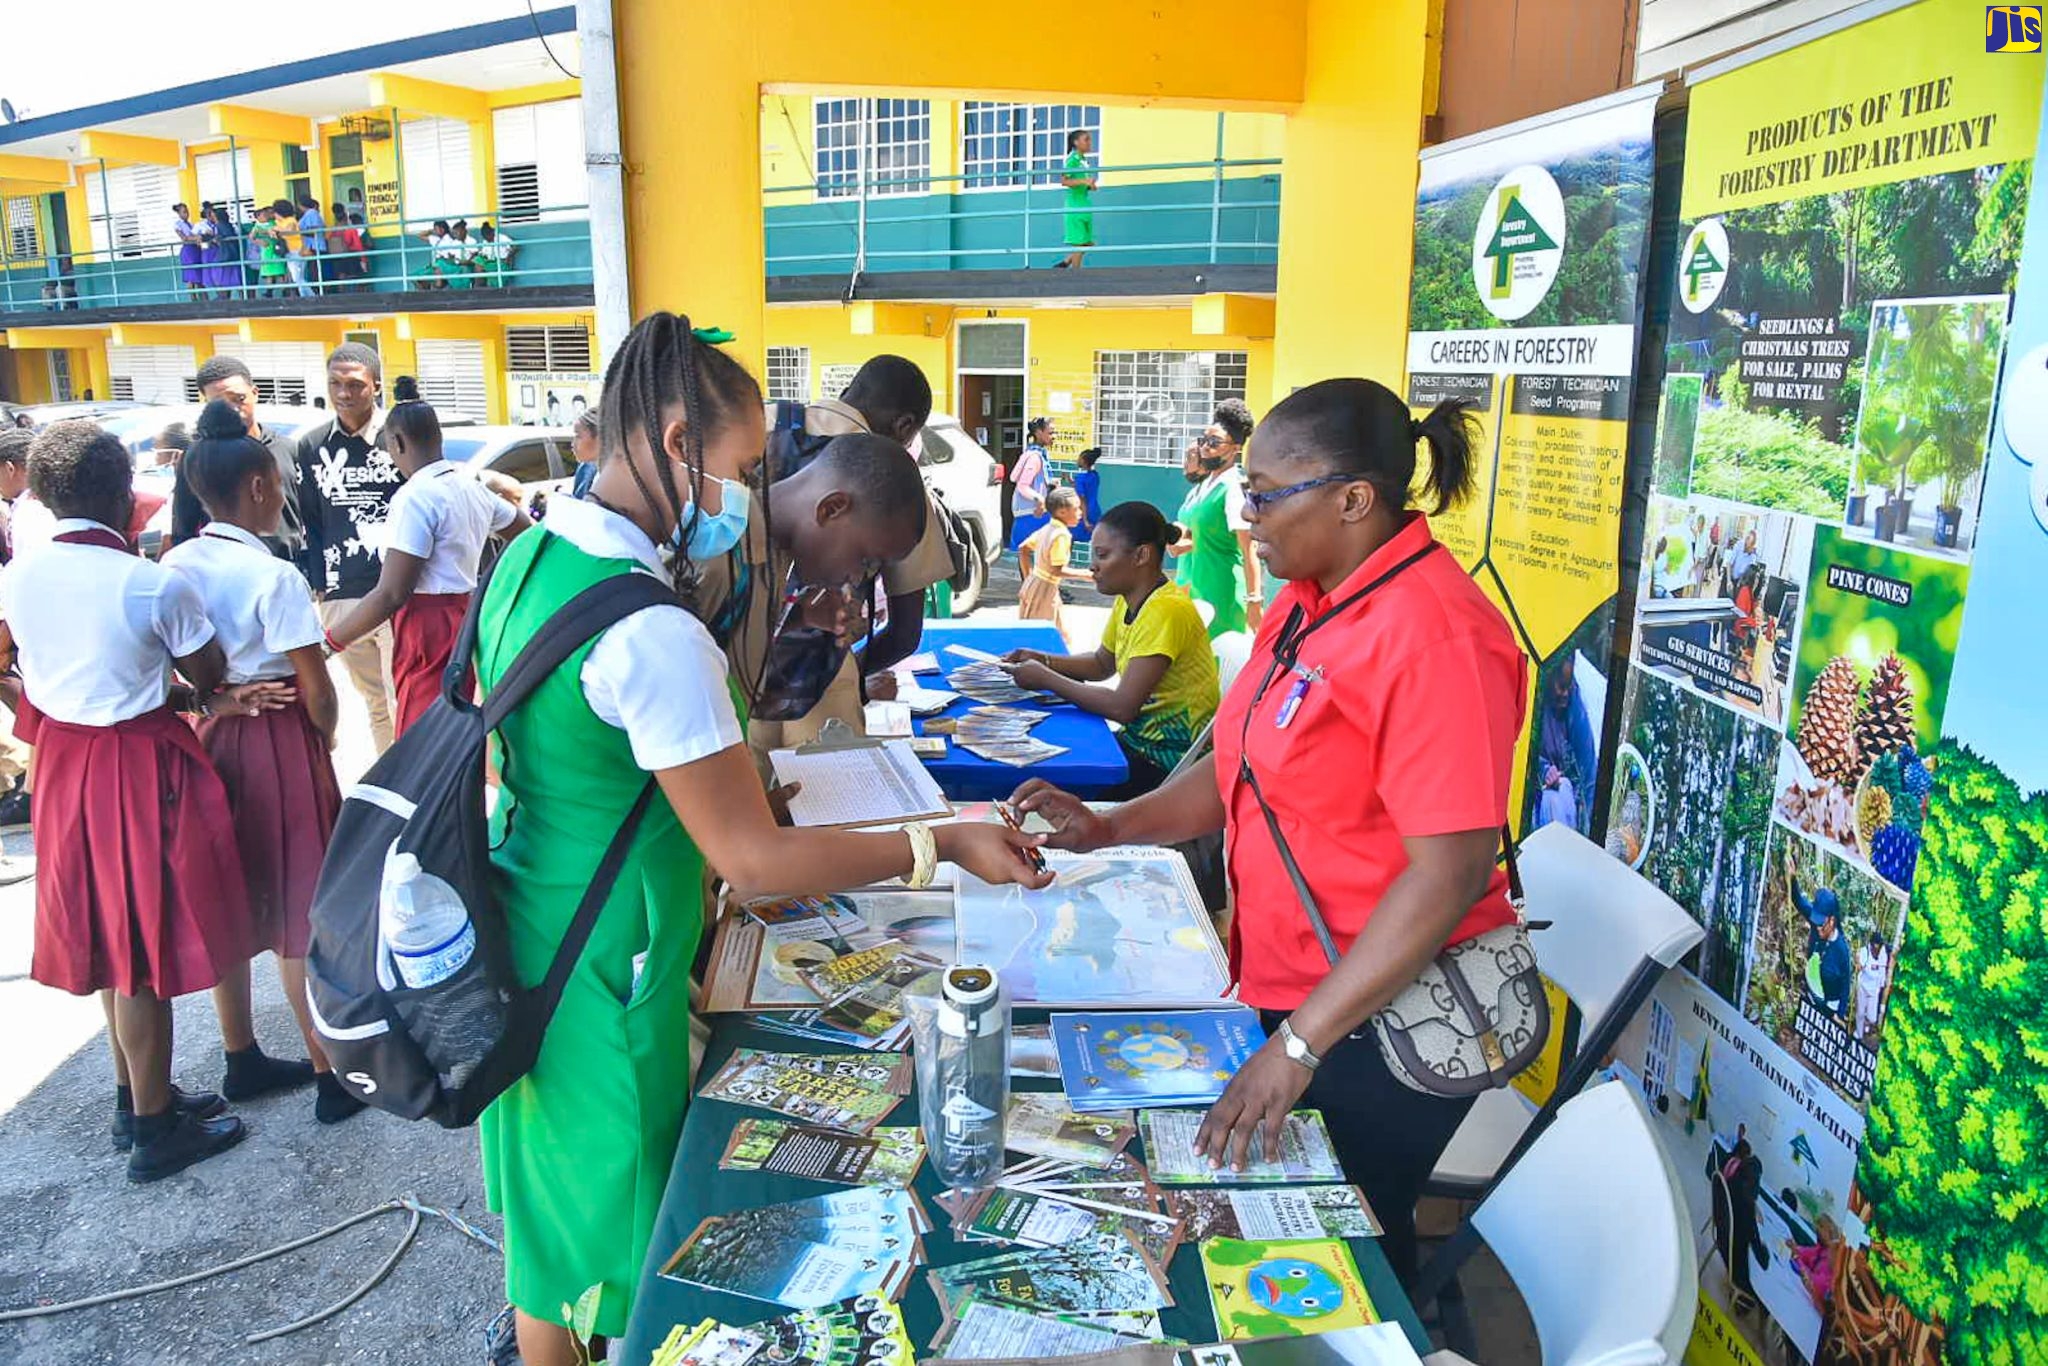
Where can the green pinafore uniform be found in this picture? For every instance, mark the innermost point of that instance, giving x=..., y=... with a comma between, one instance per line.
x=577, y=1152
x=1213, y=572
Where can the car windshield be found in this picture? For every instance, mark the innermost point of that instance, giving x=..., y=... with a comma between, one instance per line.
x=461, y=449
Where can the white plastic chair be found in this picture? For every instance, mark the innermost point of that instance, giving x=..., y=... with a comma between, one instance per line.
x=1592, y=1225
x=1612, y=935
x=1233, y=651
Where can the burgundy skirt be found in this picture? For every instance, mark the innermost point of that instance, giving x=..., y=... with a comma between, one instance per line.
x=138, y=883
x=284, y=801
x=422, y=640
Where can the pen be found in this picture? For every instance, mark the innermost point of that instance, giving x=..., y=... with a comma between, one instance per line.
x=1033, y=855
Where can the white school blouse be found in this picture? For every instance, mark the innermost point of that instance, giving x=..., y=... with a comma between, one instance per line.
x=657, y=675
x=259, y=605
x=443, y=514
x=98, y=628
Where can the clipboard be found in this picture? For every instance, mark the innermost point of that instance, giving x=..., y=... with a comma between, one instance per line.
x=852, y=780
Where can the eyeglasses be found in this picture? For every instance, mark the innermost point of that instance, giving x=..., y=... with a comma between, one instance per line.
x=1208, y=441
x=1259, y=502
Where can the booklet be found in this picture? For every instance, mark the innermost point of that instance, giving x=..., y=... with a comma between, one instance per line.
x=857, y=1332
x=1265, y=1289
x=1040, y=1123
x=1152, y=1057
x=851, y=1091
x=1097, y=1272
x=710, y=1343
x=887, y=1157
x=1290, y=1212
x=808, y=1253
x=1305, y=1154
x=982, y=1328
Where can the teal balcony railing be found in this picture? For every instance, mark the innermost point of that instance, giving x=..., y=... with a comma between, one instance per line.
x=552, y=251
x=1225, y=212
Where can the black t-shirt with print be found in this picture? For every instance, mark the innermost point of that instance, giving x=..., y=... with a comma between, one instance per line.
x=345, y=488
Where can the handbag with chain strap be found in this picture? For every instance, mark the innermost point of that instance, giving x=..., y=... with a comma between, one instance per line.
x=1478, y=1013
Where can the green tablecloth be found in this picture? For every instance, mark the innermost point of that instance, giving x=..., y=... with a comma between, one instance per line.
x=697, y=1189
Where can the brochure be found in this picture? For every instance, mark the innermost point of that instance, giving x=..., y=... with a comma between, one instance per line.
x=1272, y=1289
x=1166, y=1057
x=887, y=1157
x=851, y=1091
x=864, y=1331
x=1305, y=1154
x=1041, y=1124
x=1290, y=1212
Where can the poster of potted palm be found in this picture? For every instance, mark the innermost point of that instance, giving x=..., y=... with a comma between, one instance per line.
x=1930, y=379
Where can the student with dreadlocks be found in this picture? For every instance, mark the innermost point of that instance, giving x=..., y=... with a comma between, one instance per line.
x=276, y=764
x=142, y=899
x=441, y=519
x=577, y=1152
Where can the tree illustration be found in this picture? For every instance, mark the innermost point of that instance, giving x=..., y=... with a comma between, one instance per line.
x=1954, y=1157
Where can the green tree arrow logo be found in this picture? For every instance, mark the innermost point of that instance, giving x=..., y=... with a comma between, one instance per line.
x=1515, y=231
x=1703, y=265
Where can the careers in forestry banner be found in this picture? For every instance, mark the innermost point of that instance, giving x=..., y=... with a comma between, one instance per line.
x=1528, y=257
x=1834, y=678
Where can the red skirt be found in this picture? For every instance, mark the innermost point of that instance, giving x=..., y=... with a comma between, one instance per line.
x=138, y=883
x=422, y=640
x=284, y=800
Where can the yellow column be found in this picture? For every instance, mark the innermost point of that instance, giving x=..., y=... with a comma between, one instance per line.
x=1348, y=195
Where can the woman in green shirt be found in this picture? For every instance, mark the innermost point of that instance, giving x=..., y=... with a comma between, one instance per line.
x=1079, y=181
x=577, y=1152
x=1165, y=687
x=1215, y=563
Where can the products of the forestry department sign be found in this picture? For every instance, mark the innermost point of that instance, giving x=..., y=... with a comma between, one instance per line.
x=2012, y=28
x=1703, y=266
x=1519, y=243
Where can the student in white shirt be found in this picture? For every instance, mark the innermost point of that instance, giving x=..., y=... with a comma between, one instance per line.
x=441, y=518
x=280, y=778
x=130, y=902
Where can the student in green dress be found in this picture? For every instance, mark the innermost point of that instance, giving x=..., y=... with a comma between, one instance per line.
x=577, y=1152
x=1216, y=564
x=1154, y=673
x=1079, y=179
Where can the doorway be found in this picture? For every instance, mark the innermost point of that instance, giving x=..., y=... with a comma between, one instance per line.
x=991, y=381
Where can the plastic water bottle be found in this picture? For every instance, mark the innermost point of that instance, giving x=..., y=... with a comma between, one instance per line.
x=433, y=945
x=425, y=924
x=963, y=1078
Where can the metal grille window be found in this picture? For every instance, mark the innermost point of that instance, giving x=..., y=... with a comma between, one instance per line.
x=548, y=348
x=896, y=135
x=789, y=374
x=833, y=380
x=1150, y=404
x=1007, y=145
x=24, y=236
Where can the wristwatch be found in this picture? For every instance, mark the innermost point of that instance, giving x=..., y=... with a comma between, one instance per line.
x=1295, y=1047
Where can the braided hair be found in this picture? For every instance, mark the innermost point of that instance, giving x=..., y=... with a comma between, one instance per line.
x=661, y=362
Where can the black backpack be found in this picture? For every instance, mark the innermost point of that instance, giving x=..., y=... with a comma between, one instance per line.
x=446, y=1050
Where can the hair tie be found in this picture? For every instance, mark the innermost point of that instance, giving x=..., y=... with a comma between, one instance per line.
x=1415, y=427
x=712, y=336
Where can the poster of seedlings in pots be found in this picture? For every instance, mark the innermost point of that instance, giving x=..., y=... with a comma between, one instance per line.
x=1821, y=961
x=1929, y=374
x=1874, y=661
x=1851, y=221
x=1718, y=604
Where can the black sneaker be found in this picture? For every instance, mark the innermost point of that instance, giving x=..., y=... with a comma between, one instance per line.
x=14, y=809
x=198, y=1104
x=252, y=1073
x=188, y=1140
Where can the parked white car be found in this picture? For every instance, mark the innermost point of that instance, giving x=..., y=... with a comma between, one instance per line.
x=971, y=482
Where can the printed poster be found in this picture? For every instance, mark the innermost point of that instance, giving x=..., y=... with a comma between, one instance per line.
x=1528, y=255
x=1955, y=1170
x=1822, y=513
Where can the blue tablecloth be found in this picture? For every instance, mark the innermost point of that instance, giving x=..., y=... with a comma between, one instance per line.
x=1094, y=762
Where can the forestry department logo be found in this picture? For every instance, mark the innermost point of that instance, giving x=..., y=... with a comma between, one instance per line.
x=1703, y=265
x=2012, y=28
x=1519, y=243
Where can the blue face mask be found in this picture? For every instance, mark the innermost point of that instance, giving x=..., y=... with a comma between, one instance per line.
x=712, y=534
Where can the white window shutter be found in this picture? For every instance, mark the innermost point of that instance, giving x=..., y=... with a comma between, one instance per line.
x=151, y=374
x=451, y=375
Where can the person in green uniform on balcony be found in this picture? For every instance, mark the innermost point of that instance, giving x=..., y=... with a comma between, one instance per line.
x=1079, y=179
x=577, y=1152
x=1215, y=563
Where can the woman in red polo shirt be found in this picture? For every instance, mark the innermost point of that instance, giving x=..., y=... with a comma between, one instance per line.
x=1379, y=715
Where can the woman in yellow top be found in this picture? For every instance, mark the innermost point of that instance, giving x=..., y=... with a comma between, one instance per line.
x=1042, y=560
x=1155, y=648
